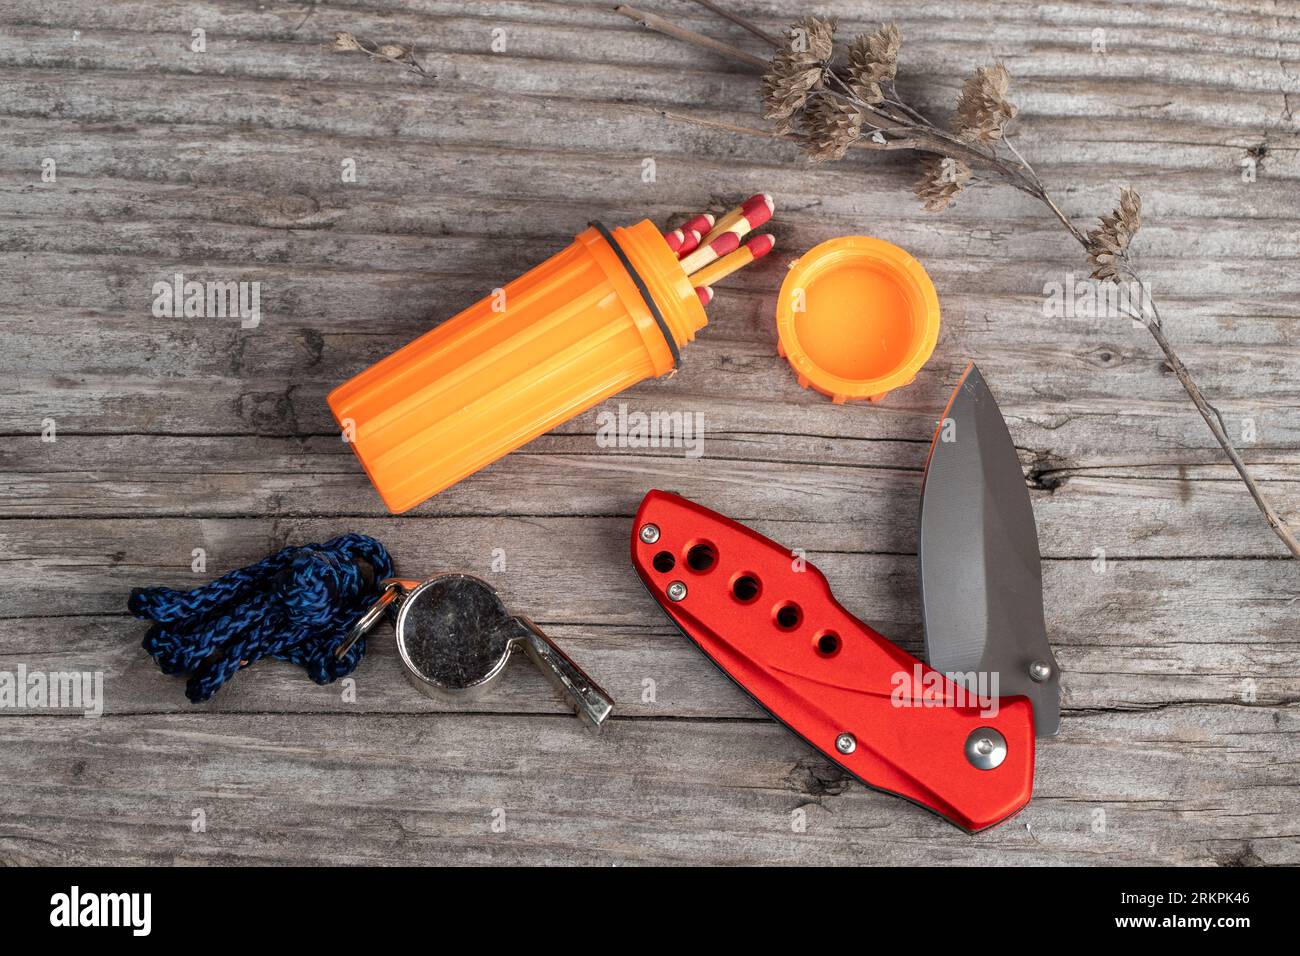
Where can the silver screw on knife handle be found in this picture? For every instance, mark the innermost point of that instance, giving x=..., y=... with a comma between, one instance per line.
x=986, y=748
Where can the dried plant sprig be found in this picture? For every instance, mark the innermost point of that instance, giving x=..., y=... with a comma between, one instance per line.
x=391, y=52
x=810, y=102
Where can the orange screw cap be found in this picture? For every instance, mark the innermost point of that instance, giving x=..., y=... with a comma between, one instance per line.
x=857, y=317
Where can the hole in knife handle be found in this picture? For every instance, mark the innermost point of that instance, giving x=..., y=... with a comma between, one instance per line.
x=701, y=557
x=788, y=616
x=664, y=562
x=827, y=643
x=745, y=588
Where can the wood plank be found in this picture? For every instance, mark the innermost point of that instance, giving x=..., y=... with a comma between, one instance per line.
x=1102, y=403
x=366, y=239
x=567, y=35
x=449, y=116
x=1075, y=150
x=868, y=503
x=1183, y=785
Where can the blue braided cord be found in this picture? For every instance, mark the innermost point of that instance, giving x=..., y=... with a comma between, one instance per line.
x=166, y=605
x=296, y=605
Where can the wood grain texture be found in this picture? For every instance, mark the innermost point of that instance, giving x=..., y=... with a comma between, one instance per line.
x=1179, y=650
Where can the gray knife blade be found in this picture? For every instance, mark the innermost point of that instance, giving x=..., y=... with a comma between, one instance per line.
x=981, y=580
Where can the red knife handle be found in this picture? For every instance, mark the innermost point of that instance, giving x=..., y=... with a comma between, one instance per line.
x=771, y=623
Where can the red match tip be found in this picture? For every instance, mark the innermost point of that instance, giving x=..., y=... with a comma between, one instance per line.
x=760, y=246
x=674, y=239
x=701, y=224
x=727, y=242
x=690, y=242
x=756, y=201
x=758, y=215
x=705, y=294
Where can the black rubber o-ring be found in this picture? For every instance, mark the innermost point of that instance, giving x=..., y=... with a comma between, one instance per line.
x=644, y=289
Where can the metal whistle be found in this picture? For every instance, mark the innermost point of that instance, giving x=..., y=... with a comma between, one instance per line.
x=455, y=637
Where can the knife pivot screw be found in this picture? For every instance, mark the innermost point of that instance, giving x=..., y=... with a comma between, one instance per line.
x=676, y=591
x=1040, y=671
x=986, y=748
x=846, y=743
x=649, y=533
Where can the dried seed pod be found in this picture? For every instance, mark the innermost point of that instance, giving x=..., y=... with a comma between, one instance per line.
x=982, y=108
x=799, y=69
x=943, y=177
x=814, y=36
x=1110, y=241
x=787, y=83
x=829, y=125
x=873, y=57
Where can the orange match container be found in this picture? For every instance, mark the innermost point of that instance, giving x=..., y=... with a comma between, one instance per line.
x=611, y=310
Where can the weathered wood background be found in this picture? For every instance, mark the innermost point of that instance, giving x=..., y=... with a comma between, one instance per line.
x=1181, y=737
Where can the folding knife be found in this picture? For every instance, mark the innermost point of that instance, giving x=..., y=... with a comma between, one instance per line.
x=768, y=619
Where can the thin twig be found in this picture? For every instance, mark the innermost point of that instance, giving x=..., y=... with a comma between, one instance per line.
x=311, y=8
x=1015, y=152
x=404, y=57
x=890, y=88
x=1040, y=192
x=668, y=28
x=715, y=124
x=1212, y=416
x=740, y=21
